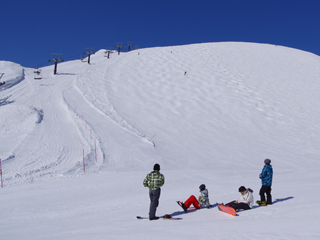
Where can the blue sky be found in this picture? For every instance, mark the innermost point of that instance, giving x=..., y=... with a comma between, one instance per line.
x=32, y=30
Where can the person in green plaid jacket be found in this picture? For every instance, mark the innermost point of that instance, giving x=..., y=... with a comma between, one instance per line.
x=154, y=181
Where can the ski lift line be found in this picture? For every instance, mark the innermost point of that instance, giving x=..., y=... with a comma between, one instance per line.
x=72, y=57
x=43, y=64
x=75, y=57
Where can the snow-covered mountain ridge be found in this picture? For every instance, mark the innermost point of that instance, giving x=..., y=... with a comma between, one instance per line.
x=207, y=113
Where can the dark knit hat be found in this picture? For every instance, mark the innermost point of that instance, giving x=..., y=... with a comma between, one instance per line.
x=267, y=161
x=156, y=167
x=242, y=189
x=202, y=187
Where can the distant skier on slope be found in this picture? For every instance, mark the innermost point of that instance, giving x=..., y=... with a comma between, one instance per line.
x=245, y=202
x=154, y=181
x=2, y=83
x=202, y=202
x=266, y=179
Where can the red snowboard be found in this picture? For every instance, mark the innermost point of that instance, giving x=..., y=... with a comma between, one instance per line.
x=226, y=209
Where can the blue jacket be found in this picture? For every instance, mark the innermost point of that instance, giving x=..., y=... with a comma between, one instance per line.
x=266, y=175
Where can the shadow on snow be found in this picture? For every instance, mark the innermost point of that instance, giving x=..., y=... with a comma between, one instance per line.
x=277, y=201
x=191, y=210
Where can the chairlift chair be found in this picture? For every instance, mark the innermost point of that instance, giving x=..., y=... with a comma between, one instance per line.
x=37, y=74
x=83, y=59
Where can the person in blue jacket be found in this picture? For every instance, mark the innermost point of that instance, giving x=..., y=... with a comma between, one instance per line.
x=266, y=179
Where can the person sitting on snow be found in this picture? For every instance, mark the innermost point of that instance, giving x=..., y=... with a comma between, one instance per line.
x=245, y=202
x=202, y=202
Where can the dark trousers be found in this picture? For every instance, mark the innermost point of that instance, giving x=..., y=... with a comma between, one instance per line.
x=154, y=202
x=265, y=190
x=237, y=206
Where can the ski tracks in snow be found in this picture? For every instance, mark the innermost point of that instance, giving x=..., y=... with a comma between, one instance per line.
x=113, y=134
x=53, y=145
x=65, y=132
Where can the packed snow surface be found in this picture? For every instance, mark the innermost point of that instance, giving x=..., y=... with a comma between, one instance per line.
x=75, y=147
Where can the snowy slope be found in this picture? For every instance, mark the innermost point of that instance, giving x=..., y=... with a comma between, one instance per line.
x=208, y=113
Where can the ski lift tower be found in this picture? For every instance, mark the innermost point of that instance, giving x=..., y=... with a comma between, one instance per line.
x=129, y=44
x=89, y=52
x=2, y=83
x=119, y=46
x=56, y=57
x=37, y=73
x=107, y=53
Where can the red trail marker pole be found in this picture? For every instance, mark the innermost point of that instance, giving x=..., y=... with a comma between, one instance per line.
x=153, y=137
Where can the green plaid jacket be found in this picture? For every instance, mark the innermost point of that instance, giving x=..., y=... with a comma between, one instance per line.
x=154, y=180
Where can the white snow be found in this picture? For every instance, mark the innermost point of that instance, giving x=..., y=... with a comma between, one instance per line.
x=207, y=113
